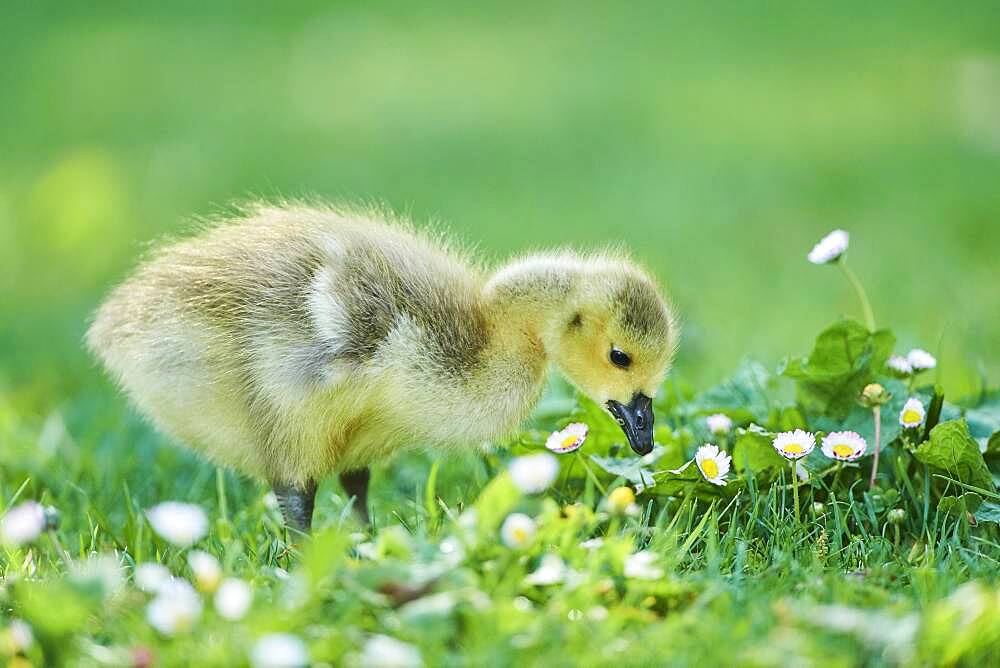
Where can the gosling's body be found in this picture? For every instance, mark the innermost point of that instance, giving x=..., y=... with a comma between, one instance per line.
x=293, y=342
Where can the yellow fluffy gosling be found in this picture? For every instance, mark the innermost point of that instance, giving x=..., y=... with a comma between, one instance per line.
x=293, y=342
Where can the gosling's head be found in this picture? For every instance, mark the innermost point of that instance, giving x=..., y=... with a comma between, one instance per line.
x=616, y=342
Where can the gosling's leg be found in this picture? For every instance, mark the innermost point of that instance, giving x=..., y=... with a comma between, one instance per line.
x=297, y=503
x=355, y=483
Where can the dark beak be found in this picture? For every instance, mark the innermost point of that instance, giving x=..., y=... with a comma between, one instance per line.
x=636, y=420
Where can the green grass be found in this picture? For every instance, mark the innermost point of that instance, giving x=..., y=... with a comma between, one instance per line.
x=718, y=142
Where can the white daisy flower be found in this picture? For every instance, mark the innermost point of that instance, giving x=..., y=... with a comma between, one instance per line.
x=913, y=413
x=830, y=248
x=713, y=463
x=22, y=524
x=279, y=650
x=720, y=423
x=149, y=577
x=592, y=543
x=642, y=566
x=794, y=444
x=534, y=474
x=899, y=365
x=844, y=446
x=206, y=569
x=386, y=652
x=233, y=599
x=920, y=359
x=567, y=439
x=551, y=570
x=175, y=609
x=182, y=524
x=518, y=531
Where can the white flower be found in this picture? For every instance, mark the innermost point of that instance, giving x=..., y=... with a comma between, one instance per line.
x=518, y=531
x=794, y=444
x=720, y=423
x=830, y=247
x=22, y=524
x=182, y=524
x=642, y=566
x=920, y=359
x=592, y=543
x=713, y=463
x=19, y=637
x=175, y=609
x=279, y=650
x=845, y=446
x=567, y=439
x=385, y=652
x=103, y=571
x=534, y=474
x=899, y=365
x=206, y=569
x=149, y=577
x=233, y=599
x=552, y=570
x=913, y=413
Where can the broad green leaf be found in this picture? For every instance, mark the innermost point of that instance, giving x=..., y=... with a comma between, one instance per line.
x=754, y=451
x=984, y=421
x=952, y=449
x=634, y=469
x=845, y=358
x=960, y=505
x=495, y=502
x=988, y=512
x=748, y=395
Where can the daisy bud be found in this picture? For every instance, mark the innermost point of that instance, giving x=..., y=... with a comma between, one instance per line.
x=620, y=499
x=533, y=474
x=279, y=650
x=233, y=599
x=22, y=524
x=819, y=507
x=899, y=366
x=182, y=524
x=382, y=650
x=830, y=248
x=920, y=359
x=206, y=569
x=897, y=515
x=874, y=395
x=720, y=423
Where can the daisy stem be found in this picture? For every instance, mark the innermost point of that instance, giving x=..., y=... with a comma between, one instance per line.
x=795, y=490
x=862, y=297
x=836, y=475
x=877, y=414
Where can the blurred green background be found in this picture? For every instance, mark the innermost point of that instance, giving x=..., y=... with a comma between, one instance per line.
x=717, y=140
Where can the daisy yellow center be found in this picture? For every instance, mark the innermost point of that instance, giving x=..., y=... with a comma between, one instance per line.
x=710, y=468
x=843, y=450
x=569, y=442
x=911, y=416
x=520, y=535
x=794, y=449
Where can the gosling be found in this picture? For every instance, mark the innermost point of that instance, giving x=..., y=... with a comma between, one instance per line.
x=292, y=342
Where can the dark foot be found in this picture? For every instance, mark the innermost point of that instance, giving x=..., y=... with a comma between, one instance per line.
x=355, y=483
x=297, y=504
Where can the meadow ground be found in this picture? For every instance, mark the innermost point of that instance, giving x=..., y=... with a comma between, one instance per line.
x=718, y=145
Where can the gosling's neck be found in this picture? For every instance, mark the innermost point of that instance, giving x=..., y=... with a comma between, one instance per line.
x=529, y=300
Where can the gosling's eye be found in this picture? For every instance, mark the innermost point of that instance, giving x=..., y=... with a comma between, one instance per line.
x=620, y=358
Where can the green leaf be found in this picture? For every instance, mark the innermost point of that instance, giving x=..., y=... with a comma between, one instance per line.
x=952, y=449
x=634, y=469
x=754, y=451
x=988, y=512
x=984, y=421
x=960, y=505
x=748, y=395
x=845, y=358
